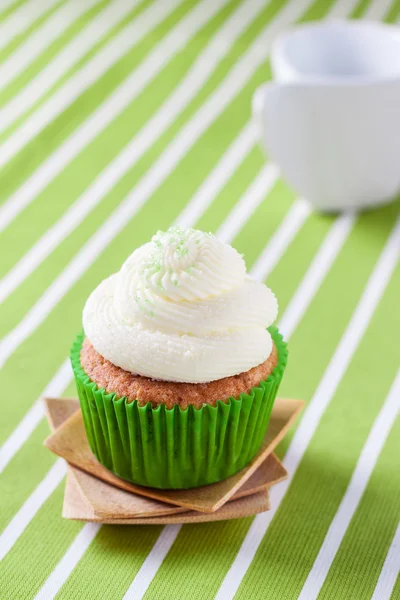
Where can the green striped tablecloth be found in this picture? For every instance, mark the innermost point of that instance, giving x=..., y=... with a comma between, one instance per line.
x=118, y=118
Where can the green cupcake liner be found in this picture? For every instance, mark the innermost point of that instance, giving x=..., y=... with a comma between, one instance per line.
x=176, y=448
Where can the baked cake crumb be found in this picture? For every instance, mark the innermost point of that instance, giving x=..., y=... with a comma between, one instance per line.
x=144, y=390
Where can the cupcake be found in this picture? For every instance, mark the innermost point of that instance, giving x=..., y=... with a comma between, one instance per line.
x=178, y=366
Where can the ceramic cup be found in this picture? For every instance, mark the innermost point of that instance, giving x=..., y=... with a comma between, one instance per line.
x=331, y=117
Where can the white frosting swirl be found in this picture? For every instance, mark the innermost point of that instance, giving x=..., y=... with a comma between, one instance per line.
x=182, y=309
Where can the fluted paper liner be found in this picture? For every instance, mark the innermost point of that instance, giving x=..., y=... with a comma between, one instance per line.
x=70, y=442
x=88, y=498
x=176, y=448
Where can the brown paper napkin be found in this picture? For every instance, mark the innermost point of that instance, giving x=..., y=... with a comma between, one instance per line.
x=76, y=508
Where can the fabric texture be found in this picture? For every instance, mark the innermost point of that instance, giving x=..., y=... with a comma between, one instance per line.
x=121, y=117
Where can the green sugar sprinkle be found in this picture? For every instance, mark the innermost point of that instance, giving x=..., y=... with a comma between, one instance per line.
x=139, y=301
x=175, y=238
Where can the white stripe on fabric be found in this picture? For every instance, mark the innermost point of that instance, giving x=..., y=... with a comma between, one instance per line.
x=203, y=67
x=34, y=415
x=22, y=18
x=281, y=239
x=256, y=192
x=29, y=509
x=152, y=562
x=251, y=199
x=316, y=273
x=89, y=73
x=354, y=492
x=42, y=37
x=68, y=562
x=238, y=76
x=65, y=59
x=377, y=10
x=342, y=8
x=390, y=570
x=324, y=393
x=217, y=179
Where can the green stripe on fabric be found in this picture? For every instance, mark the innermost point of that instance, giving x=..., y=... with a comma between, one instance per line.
x=359, y=10
x=323, y=475
x=360, y=558
x=396, y=590
x=213, y=217
x=394, y=13
x=318, y=10
x=21, y=37
x=287, y=276
x=252, y=239
x=16, y=85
